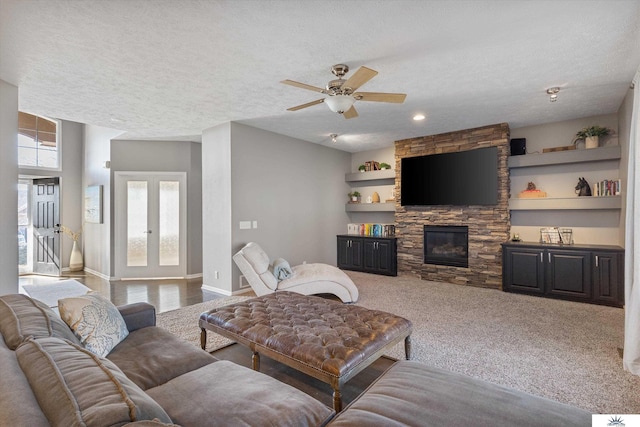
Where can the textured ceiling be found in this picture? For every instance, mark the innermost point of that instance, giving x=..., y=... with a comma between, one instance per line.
x=170, y=69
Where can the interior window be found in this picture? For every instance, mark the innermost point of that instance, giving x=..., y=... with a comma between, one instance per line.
x=38, y=145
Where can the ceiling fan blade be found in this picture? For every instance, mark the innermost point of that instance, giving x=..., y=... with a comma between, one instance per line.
x=359, y=78
x=308, y=104
x=397, y=98
x=350, y=113
x=303, y=86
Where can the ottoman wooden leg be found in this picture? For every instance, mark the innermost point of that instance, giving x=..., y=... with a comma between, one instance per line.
x=256, y=361
x=407, y=347
x=337, y=400
x=203, y=338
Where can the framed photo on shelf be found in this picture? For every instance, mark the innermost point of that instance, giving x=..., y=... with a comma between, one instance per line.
x=550, y=235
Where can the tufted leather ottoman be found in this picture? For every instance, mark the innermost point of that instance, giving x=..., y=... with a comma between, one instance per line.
x=326, y=339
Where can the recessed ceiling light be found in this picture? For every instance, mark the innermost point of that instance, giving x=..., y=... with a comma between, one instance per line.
x=418, y=117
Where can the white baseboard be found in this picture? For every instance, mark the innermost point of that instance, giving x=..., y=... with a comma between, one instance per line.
x=222, y=291
x=100, y=275
x=193, y=276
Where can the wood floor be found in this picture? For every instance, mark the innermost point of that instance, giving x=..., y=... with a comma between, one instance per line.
x=165, y=295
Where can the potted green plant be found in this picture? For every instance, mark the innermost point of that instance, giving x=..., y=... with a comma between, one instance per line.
x=384, y=166
x=355, y=196
x=361, y=168
x=591, y=135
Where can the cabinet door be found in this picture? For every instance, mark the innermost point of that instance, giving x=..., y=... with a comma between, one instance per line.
x=370, y=263
x=349, y=253
x=569, y=274
x=523, y=270
x=344, y=254
x=356, y=254
x=386, y=254
x=607, y=280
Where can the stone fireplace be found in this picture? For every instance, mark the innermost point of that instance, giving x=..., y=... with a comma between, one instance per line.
x=487, y=226
x=446, y=245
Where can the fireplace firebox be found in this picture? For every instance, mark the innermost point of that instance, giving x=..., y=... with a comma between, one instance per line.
x=446, y=245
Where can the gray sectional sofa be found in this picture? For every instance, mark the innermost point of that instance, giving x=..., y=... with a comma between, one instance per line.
x=154, y=378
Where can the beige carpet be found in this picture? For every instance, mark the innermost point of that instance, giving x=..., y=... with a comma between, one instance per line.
x=561, y=350
x=183, y=322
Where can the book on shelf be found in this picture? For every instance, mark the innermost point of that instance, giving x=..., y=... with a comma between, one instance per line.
x=373, y=230
x=607, y=187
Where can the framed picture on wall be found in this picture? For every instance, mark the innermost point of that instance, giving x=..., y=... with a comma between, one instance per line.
x=93, y=204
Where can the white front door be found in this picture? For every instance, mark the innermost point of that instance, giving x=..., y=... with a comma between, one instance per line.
x=150, y=228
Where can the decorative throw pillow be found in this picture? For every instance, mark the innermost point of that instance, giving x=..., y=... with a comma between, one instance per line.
x=281, y=269
x=22, y=317
x=95, y=321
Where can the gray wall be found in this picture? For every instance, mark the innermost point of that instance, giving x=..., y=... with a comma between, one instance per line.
x=96, y=237
x=70, y=174
x=8, y=188
x=216, y=208
x=294, y=189
x=589, y=226
x=166, y=156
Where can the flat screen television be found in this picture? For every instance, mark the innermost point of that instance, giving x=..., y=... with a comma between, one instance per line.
x=460, y=178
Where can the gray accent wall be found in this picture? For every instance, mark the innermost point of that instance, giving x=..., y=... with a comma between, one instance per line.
x=70, y=174
x=166, y=156
x=293, y=190
x=216, y=209
x=8, y=188
x=97, y=237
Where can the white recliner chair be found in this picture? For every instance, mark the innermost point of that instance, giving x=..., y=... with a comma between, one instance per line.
x=307, y=279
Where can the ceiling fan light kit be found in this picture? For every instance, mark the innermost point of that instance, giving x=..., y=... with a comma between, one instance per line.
x=342, y=93
x=339, y=103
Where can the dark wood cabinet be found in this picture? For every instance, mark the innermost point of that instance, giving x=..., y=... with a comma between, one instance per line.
x=586, y=273
x=369, y=254
x=608, y=277
x=349, y=253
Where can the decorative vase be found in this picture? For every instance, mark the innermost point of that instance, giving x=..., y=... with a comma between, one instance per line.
x=75, y=260
x=591, y=142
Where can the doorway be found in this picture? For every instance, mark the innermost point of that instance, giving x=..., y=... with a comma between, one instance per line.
x=150, y=228
x=39, y=226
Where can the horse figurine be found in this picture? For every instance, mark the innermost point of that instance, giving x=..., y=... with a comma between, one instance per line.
x=583, y=189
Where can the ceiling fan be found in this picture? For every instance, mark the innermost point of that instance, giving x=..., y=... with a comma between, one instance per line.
x=342, y=93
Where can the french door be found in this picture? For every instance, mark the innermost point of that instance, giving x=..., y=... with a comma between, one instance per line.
x=150, y=229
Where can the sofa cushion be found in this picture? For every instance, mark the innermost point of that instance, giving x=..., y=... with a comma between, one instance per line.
x=414, y=394
x=22, y=317
x=152, y=356
x=226, y=394
x=74, y=387
x=95, y=321
x=18, y=405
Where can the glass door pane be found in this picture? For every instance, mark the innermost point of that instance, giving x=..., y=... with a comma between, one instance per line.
x=169, y=222
x=137, y=227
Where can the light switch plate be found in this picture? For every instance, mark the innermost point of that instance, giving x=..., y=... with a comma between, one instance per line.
x=245, y=225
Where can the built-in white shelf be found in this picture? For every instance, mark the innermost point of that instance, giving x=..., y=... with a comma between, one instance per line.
x=386, y=174
x=564, y=157
x=370, y=207
x=569, y=203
